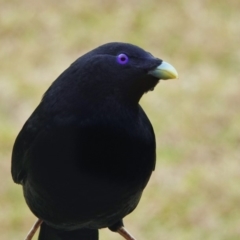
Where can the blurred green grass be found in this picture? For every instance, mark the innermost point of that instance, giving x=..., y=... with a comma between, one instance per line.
x=194, y=192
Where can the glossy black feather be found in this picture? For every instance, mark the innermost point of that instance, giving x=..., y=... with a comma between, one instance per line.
x=49, y=233
x=87, y=152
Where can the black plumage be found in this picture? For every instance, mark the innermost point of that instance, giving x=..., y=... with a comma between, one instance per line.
x=88, y=150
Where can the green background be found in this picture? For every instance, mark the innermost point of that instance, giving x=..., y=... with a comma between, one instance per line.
x=194, y=192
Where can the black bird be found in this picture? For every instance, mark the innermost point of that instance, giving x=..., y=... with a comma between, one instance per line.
x=86, y=153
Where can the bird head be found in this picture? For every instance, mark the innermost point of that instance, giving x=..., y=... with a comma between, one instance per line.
x=119, y=71
x=124, y=69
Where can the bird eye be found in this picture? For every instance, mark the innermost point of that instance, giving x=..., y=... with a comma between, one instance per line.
x=122, y=58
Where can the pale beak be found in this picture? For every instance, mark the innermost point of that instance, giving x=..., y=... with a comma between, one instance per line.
x=164, y=71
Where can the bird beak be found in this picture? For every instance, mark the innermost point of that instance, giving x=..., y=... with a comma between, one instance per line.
x=164, y=71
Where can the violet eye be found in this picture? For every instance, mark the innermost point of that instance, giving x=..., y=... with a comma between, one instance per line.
x=122, y=58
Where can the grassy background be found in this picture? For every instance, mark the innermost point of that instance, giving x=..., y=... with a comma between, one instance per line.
x=194, y=192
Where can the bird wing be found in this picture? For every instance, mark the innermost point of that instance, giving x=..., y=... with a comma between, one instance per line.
x=26, y=136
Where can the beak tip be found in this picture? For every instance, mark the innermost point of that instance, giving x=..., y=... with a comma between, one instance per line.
x=164, y=71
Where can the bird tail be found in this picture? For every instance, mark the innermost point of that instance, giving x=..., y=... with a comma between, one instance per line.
x=49, y=233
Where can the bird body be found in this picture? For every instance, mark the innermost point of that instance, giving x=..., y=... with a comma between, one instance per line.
x=91, y=162
x=87, y=152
